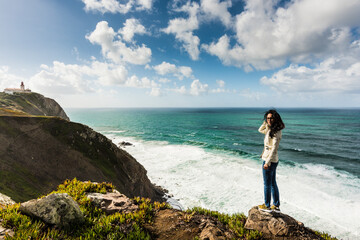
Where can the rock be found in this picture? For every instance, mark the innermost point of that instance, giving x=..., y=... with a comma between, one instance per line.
x=5, y=232
x=5, y=200
x=277, y=225
x=56, y=209
x=212, y=232
x=112, y=202
x=124, y=144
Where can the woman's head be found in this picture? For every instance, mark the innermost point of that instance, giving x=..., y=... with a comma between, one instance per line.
x=273, y=119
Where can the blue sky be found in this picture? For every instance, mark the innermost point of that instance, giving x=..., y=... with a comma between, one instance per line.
x=208, y=53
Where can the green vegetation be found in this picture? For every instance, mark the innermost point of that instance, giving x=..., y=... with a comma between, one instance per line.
x=234, y=222
x=325, y=236
x=98, y=225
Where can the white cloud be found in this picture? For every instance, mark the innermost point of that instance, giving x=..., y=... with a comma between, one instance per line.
x=182, y=90
x=339, y=74
x=185, y=71
x=116, y=50
x=156, y=92
x=61, y=79
x=304, y=29
x=113, y=6
x=108, y=74
x=8, y=80
x=215, y=9
x=197, y=88
x=144, y=4
x=183, y=29
x=104, y=6
x=131, y=27
x=167, y=68
x=220, y=83
x=164, y=80
x=144, y=82
x=64, y=78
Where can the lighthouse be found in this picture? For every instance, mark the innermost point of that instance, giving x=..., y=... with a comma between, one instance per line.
x=17, y=90
x=22, y=86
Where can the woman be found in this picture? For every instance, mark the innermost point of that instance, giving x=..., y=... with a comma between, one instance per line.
x=271, y=127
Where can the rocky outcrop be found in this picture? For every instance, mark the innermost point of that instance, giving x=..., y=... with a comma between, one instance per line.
x=57, y=209
x=30, y=104
x=39, y=153
x=167, y=223
x=125, y=144
x=112, y=202
x=278, y=226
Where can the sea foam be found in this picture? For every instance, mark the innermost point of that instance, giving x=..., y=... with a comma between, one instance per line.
x=323, y=198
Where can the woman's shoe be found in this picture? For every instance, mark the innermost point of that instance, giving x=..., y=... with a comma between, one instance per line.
x=275, y=209
x=264, y=208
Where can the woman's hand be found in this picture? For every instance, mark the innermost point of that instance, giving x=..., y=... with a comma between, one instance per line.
x=266, y=166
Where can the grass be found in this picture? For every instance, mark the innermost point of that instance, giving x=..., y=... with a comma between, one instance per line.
x=97, y=225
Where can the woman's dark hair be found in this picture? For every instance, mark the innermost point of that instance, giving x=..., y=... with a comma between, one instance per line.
x=278, y=123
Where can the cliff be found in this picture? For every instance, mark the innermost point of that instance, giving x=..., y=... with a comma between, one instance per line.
x=38, y=152
x=30, y=104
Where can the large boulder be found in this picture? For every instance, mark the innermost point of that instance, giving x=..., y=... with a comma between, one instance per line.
x=112, y=202
x=278, y=225
x=56, y=209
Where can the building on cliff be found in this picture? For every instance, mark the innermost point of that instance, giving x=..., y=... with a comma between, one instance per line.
x=17, y=90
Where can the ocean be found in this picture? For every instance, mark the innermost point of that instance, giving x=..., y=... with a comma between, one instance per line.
x=210, y=158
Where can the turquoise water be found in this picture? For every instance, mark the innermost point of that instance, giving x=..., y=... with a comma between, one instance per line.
x=206, y=157
x=330, y=137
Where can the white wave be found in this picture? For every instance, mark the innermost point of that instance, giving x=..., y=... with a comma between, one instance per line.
x=321, y=197
x=113, y=131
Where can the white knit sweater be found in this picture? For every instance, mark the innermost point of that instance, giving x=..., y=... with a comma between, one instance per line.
x=271, y=145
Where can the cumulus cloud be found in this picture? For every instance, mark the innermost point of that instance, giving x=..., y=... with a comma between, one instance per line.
x=167, y=68
x=73, y=78
x=116, y=50
x=131, y=27
x=196, y=88
x=267, y=36
x=164, y=80
x=156, y=92
x=214, y=9
x=339, y=74
x=113, y=6
x=144, y=4
x=61, y=78
x=144, y=82
x=183, y=29
x=8, y=80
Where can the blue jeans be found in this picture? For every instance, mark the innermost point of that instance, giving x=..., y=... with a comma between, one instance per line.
x=270, y=186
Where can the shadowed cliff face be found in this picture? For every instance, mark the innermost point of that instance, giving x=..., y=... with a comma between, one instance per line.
x=38, y=153
x=30, y=104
